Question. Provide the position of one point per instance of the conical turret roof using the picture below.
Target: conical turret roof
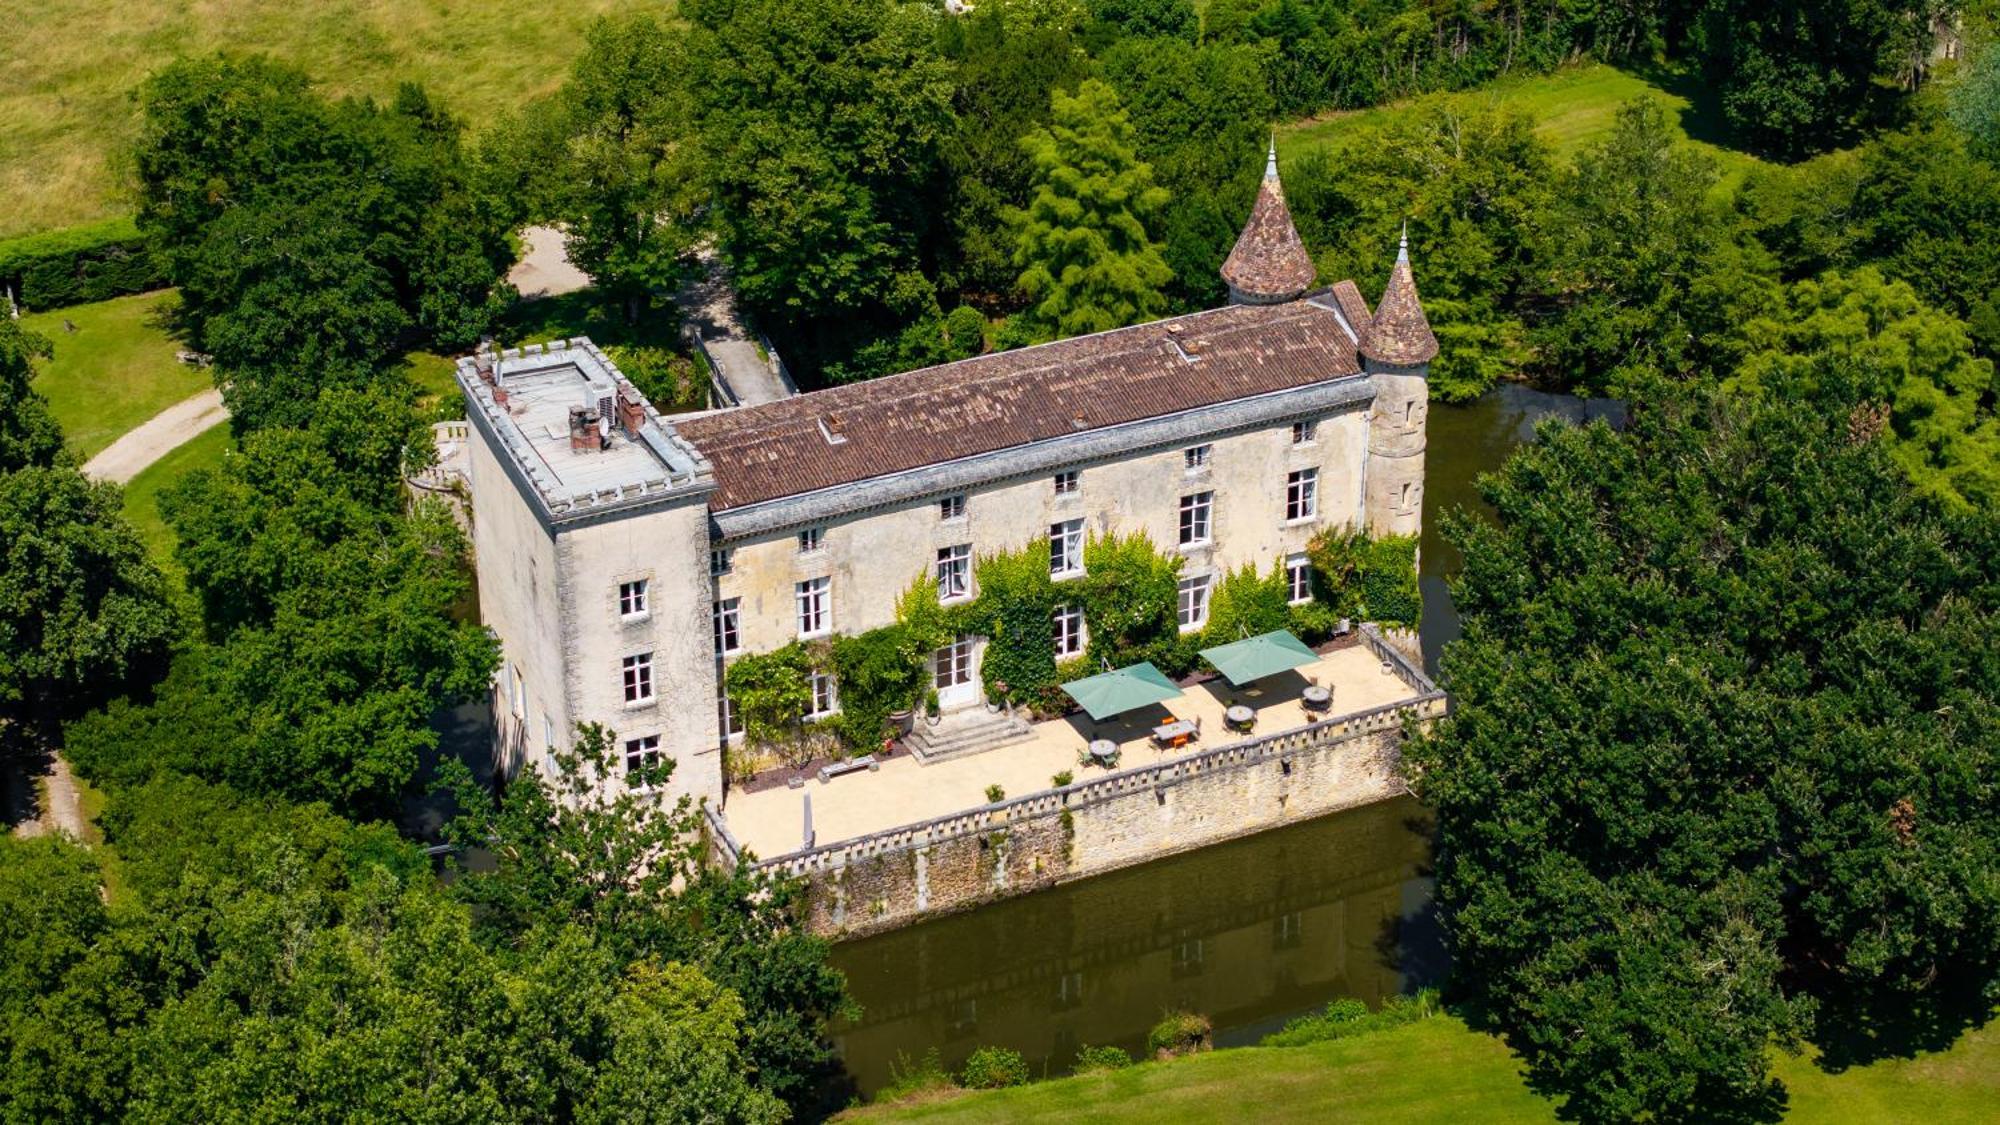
(1269, 264)
(1399, 334)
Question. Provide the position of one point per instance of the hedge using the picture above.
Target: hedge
(79, 264)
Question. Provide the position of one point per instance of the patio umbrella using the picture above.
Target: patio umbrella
(1253, 658)
(1122, 690)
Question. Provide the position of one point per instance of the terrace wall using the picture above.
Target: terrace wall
(904, 875)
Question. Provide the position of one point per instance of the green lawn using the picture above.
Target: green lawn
(142, 496)
(69, 68)
(1572, 108)
(115, 371)
(1438, 1070)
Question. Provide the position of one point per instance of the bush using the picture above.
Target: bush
(1063, 778)
(1346, 1018)
(995, 794)
(991, 1068)
(1179, 1033)
(908, 1079)
(79, 264)
(1093, 1060)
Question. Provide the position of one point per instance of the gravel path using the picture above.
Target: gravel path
(156, 437)
(54, 805)
(545, 270)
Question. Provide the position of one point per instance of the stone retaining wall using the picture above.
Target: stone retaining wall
(904, 875)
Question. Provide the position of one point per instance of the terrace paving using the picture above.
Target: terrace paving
(770, 823)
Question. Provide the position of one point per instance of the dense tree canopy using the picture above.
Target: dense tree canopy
(1722, 750)
(28, 432)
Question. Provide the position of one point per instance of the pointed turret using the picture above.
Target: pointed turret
(1269, 264)
(1399, 334)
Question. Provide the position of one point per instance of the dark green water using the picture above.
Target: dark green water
(1249, 933)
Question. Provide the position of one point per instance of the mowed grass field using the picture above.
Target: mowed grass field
(117, 369)
(1572, 108)
(1438, 1071)
(68, 69)
(142, 496)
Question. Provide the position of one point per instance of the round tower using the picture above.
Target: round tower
(1396, 349)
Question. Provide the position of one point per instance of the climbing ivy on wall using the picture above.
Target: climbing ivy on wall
(1016, 613)
(1368, 578)
(772, 691)
(1131, 595)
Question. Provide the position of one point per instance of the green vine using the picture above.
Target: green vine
(1369, 579)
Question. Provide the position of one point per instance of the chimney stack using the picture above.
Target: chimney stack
(584, 432)
(631, 416)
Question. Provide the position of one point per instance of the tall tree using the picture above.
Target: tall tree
(1087, 262)
(29, 434)
(1722, 751)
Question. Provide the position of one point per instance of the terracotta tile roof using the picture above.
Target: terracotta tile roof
(1353, 305)
(1269, 262)
(851, 433)
(1399, 334)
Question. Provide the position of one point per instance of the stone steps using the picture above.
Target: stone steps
(965, 733)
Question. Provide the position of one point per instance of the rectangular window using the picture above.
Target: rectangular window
(726, 718)
(954, 572)
(639, 678)
(642, 759)
(1194, 602)
(1303, 432)
(1195, 513)
(1299, 579)
(1066, 548)
(1066, 483)
(1069, 631)
(727, 619)
(1302, 494)
(826, 698)
(1197, 456)
(548, 732)
(812, 606)
(811, 539)
(520, 694)
(951, 508)
(951, 666)
(632, 598)
(720, 562)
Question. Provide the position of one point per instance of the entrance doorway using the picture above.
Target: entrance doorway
(952, 673)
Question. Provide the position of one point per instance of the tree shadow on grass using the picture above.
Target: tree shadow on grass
(1870, 1028)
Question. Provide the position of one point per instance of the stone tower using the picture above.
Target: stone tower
(1397, 349)
(1269, 264)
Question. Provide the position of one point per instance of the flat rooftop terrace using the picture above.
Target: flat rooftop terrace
(771, 822)
(525, 405)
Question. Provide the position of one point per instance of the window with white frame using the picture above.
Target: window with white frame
(1303, 432)
(1196, 456)
(639, 678)
(811, 595)
(951, 666)
(728, 619)
(548, 731)
(811, 539)
(720, 562)
(1066, 549)
(1302, 494)
(642, 761)
(1066, 483)
(1069, 631)
(632, 598)
(825, 696)
(1196, 510)
(726, 718)
(1194, 602)
(520, 700)
(1298, 579)
(954, 572)
(951, 508)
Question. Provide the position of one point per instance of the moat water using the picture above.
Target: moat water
(1250, 933)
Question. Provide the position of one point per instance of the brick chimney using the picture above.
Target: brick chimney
(584, 432)
(631, 416)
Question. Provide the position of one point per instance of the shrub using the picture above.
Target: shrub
(1179, 1033)
(991, 1068)
(995, 794)
(1063, 778)
(1368, 578)
(1093, 1060)
(908, 1079)
(80, 264)
(1345, 1018)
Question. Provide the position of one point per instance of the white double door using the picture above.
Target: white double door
(955, 673)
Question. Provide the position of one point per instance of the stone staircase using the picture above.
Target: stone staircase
(971, 731)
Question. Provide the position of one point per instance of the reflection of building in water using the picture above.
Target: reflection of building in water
(1247, 933)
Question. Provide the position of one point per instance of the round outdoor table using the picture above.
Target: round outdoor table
(1240, 717)
(1103, 750)
(1317, 698)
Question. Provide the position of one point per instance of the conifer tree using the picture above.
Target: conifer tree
(1087, 263)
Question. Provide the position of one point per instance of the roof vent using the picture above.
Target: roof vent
(829, 428)
(1188, 350)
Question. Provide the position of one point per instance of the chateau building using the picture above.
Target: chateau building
(625, 557)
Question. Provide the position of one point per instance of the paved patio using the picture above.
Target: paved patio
(771, 823)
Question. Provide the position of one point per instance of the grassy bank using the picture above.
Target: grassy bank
(70, 66)
(142, 495)
(1572, 108)
(115, 371)
(1437, 1070)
